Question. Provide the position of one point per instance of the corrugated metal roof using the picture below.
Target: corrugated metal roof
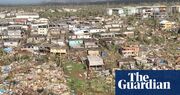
(95, 61)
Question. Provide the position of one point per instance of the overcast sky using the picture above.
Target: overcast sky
(38, 1)
(19, 1)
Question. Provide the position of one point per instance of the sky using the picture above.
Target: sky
(19, 1)
(38, 1)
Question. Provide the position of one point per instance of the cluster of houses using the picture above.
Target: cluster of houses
(89, 41)
(160, 11)
(29, 32)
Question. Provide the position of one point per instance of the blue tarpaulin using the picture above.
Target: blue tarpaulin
(2, 91)
(8, 50)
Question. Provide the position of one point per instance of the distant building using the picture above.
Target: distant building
(130, 50)
(87, 36)
(21, 21)
(43, 29)
(160, 11)
(165, 25)
(91, 43)
(11, 43)
(110, 35)
(58, 50)
(95, 62)
(36, 39)
(96, 30)
(27, 15)
(129, 62)
(59, 42)
(82, 31)
(122, 11)
(12, 34)
(76, 43)
(175, 9)
(30, 47)
(4, 24)
(93, 52)
(2, 15)
(115, 11)
(42, 20)
(130, 10)
(15, 27)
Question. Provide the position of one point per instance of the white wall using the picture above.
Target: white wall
(2, 15)
(11, 44)
(42, 31)
(109, 11)
(28, 16)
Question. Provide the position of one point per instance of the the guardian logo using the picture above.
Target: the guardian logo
(138, 81)
(147, 82)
